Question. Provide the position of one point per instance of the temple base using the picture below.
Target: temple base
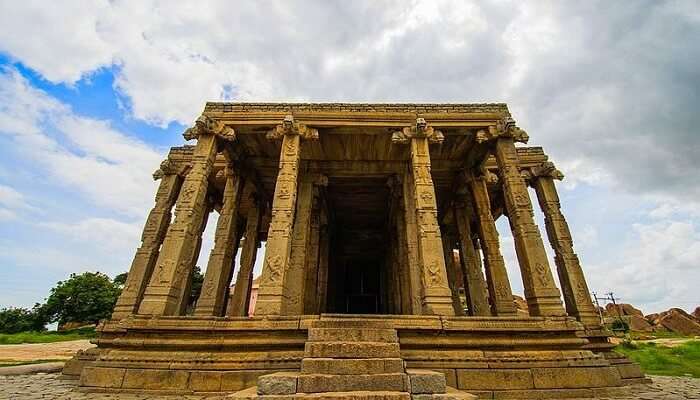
(491, 357)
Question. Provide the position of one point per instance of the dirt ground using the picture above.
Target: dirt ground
(42, 351)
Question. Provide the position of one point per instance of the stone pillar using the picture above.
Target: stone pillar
(279, 240)
(151, 239)
(323, 253)
(186, 290)
(543, 297)
(408, 235)
(435, 296)
(240, 299)
(577, 298)
(448, 243)
(212, 300)
(312, 249)
(471, 265)
(295, 276)
(163, 296)
(500, 293)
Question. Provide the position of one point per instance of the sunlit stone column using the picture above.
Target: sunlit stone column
(474, 277)
(543, 297)
(165, 291)
(212, 300)
(240, 299)
(500, 293)
(577, 298)
(435, 296)
(408, 236)
(448, 242)
(279, 243)
(151, 239)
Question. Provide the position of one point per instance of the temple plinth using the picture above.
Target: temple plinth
(381, 261)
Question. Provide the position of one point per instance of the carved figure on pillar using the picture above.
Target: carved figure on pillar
(577, 297)
(277, 254)
(436, 296)
(152, 237)
(542, 295)
(165, 291)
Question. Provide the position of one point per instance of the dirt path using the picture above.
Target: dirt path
(42, 351)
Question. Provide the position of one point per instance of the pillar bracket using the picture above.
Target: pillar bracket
(205, 124)
(504, 128)
(420, 130)
(290, 127)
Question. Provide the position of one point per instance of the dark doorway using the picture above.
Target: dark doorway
(361, 287)
(359, 207)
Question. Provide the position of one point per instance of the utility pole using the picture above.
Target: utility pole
(598, 308)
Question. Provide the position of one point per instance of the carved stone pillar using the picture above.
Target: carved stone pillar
(312, 249)
(543, 297)
(277, 254)
(500, 293)
(408, 235)
(323, 253)
(186, 290)
(448, 242)
(212, 300)
(471, 262)
(151, 239)
(436, 297)
(577, 298)
(163, 296)
(240, 299)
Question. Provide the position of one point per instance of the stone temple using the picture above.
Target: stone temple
(362, 209)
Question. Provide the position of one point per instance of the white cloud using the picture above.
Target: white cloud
(107, 166)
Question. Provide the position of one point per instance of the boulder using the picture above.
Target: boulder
(696, 313)
(622, 309)
(637, 323)
(679, 321)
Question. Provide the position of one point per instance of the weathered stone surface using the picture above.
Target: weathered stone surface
(155, 379)
(352, 349)
(351, 366)
(352, 334)
(102, 377)
(314, 383)
(278, 383)
(565, 378)
(205, 381)
(503, 379)
(622, 309)
(426, 381)
(637, 323)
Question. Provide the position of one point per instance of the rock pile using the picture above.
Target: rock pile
(673, 320)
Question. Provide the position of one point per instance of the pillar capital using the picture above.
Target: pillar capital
(420, 130)
(504, 128)
(548, 169)
(205, 125)
(291, 127)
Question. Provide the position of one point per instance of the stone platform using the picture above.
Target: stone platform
(491, 357)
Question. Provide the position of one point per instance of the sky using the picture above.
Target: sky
(93, 94)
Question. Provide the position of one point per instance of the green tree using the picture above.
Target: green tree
(14, 320)
(88, 297)
(120, 280)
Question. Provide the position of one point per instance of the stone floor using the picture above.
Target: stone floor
(47, 386)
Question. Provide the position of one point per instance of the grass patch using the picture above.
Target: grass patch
(9, 363)
(681, 360)
(46, 337)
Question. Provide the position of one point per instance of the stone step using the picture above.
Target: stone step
(316, 383)
(352, 335)
(424, 381)
(352, 323)
(348, 366)
(450, 394)
(351, 350)
(251, 394)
